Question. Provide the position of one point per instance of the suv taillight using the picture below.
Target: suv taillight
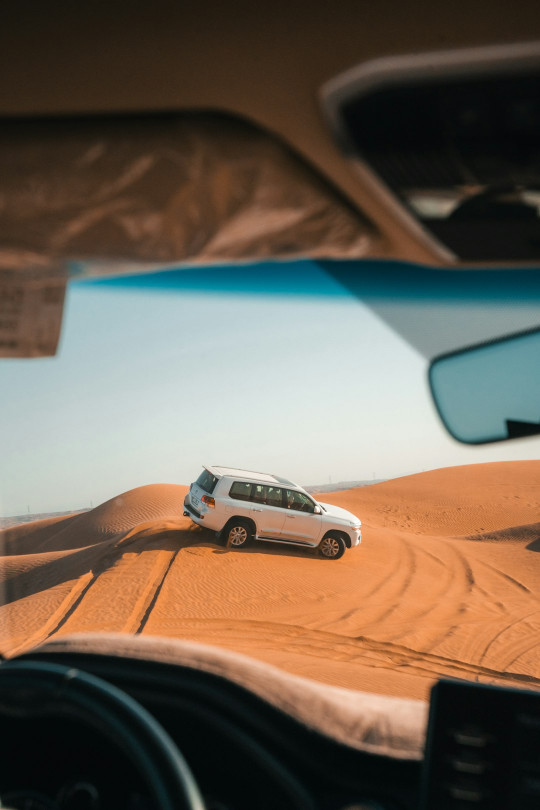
(208, 501)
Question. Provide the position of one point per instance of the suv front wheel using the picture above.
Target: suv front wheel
(332, 547)
(238, 533)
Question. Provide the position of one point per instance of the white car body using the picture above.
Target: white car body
(277, 510)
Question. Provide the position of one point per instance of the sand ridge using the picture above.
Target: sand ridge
(445, 583)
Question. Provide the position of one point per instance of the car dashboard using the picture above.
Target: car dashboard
(242, 751)
(482, 746)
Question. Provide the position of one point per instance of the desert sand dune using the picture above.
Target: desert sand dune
(445, 583)
(453, 501)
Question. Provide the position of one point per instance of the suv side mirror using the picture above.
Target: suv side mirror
(317, 510)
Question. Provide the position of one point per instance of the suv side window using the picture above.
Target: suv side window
(258, 494)
(241, 491)
(299, 502)
(270, 496)
(274, 496)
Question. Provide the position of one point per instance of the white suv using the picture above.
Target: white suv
(240, 505)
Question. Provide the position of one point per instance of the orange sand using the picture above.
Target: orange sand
(445, 583)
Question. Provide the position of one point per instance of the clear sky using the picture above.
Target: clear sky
(151, 383)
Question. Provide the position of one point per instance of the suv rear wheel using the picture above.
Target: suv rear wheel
(238, 533)
(332, 547)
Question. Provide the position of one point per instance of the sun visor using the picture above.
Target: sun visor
(116, 195)
(162, 191)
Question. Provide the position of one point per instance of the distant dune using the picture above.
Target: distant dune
(340, 485)
(445, 583)
(16, 520)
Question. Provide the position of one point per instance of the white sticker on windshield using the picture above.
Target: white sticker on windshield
(30, 317)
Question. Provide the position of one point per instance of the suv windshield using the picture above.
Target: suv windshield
(112, 523)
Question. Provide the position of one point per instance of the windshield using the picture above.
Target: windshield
(112, 523)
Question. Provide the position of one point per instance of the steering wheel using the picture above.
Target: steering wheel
(30, 690)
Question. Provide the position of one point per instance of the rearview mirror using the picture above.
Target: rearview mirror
(491, 392)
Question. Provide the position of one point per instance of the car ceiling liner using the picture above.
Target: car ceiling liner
(111, 195)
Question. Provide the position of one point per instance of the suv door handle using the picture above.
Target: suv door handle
(291, 517)
(256, 510)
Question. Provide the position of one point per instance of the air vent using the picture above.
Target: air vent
(483, 749)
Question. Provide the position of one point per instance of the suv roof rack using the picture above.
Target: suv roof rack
(267, 478)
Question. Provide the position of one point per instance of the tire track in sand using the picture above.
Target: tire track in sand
(506, 629)
(478, 644)
(460, 586)
(394, 585)
(517, 648)
(123, 586)
(143, 609)
(449, 590)
(263, 636)
(125, 592)
(66, 608)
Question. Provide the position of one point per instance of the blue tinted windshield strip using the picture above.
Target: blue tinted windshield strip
(366, 279)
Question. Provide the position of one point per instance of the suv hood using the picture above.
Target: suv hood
(338, 512)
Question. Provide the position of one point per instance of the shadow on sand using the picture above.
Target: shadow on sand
(524, 533)
(276, 549)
